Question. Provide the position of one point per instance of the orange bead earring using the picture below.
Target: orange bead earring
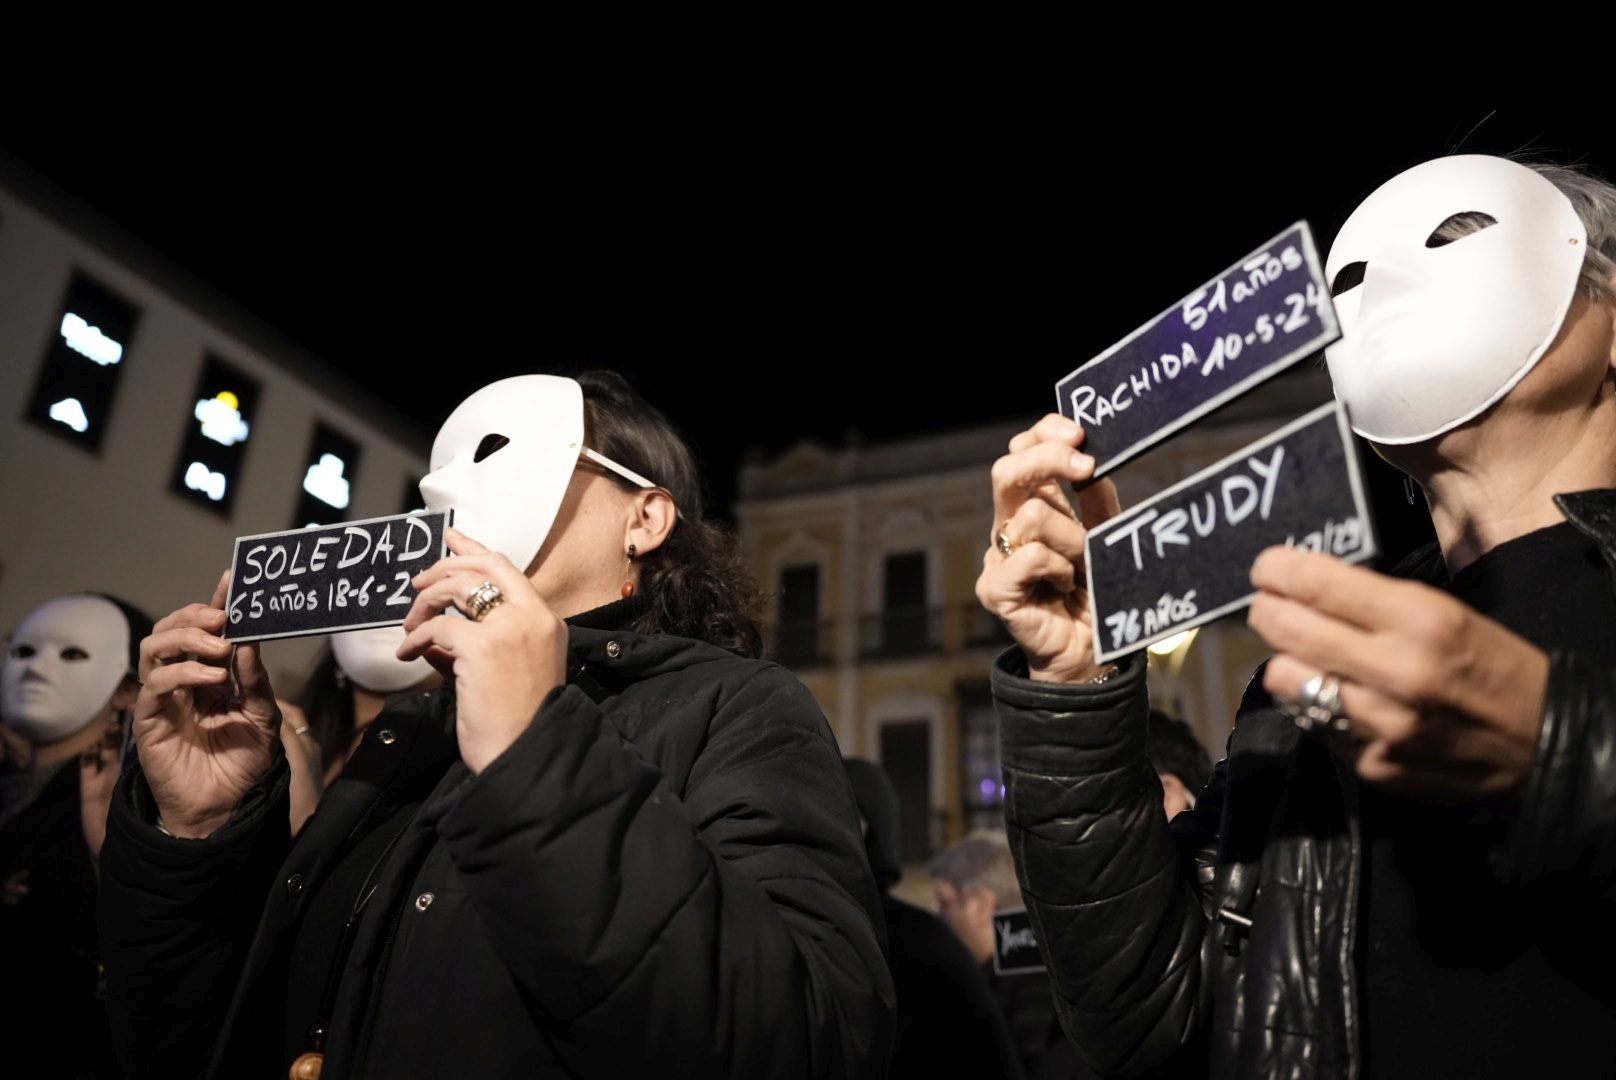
(628, 586)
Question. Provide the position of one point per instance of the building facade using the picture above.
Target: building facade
(149, 423)
(868, 556)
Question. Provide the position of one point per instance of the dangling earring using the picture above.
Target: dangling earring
(628, 586)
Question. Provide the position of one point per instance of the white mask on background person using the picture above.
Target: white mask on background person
(63, 663)
(1432, 336)
(504, 458)
(370, 659)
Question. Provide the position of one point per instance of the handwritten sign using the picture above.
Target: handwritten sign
(348, 576)
(1184, 557)
(1249, 323)
(1015, 946)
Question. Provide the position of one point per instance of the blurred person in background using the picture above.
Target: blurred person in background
(348, 689)
(1181, 762)
(949, 1022)
(973, 879)
(66, 688)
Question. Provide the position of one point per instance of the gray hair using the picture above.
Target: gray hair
(981, 860)
(1595, 203)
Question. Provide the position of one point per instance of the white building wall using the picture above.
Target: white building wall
(77, 519)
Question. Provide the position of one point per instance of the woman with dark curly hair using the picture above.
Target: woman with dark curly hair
(614, 841)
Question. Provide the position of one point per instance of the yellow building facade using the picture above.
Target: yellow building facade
(868, 557)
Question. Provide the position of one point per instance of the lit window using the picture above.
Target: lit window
(216, 435)
(78, 378)
(326, 489)
(324, 481)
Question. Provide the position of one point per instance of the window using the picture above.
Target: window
(78, 378)
(327, 481)
(217, 427)
(981, 777)
(905, 620)
(798, 637)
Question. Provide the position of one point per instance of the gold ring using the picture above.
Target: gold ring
(483, 599)
(1006, 548)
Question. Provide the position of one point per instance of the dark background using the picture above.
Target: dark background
(767, 271)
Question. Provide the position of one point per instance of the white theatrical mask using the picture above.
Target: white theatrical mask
(1433, 336)
(370, 659)
(64, 662)
(504, 458)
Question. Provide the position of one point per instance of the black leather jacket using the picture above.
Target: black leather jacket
(1224, 945)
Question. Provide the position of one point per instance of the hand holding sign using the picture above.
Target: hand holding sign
(1037, 588)
(503, 666)
(1442, 701)
(207, 728)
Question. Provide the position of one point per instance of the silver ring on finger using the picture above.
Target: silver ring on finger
(1318, 705)
(483, 599)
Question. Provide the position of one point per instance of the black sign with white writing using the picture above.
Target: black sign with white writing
(1184, 557)
(348, 576)
(1249, 323)
(1015, 946)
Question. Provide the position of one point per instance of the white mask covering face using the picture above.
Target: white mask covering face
(370, 659)
(1433, 336)
(503, 461)
(63, 665)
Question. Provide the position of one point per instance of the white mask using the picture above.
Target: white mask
(63, 665)
(509, 500)
(1433, 336)
(370, 659)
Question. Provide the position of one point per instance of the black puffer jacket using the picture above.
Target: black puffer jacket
(663, 875)
(1225, 945)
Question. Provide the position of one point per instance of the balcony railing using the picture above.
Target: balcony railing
(901, 632)
(804, 643)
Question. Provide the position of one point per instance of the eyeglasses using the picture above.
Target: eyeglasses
(621, 470)
(628, 474)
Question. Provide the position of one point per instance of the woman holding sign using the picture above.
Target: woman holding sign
(613, 844)
(1407, 864)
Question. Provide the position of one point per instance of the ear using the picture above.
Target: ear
(1176, 796)
(652, 518)
(124, 697)
(1610, 306)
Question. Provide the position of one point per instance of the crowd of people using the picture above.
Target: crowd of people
(565, 820)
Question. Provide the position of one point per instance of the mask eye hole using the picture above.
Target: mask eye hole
(22, 652)
(489, 445)
(73, 652)
(1459, 226)
(1350, 277)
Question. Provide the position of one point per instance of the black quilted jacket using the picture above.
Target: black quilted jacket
(663, 876)
(1225, 945)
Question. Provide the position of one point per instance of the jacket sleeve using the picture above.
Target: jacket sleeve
(1566, 822)
(176, 918)
(728, 929)
(1115, 895)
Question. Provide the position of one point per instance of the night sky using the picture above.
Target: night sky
(766, 274)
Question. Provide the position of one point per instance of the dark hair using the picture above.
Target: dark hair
(697, 584)
(1174, 750)
(328, 706)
